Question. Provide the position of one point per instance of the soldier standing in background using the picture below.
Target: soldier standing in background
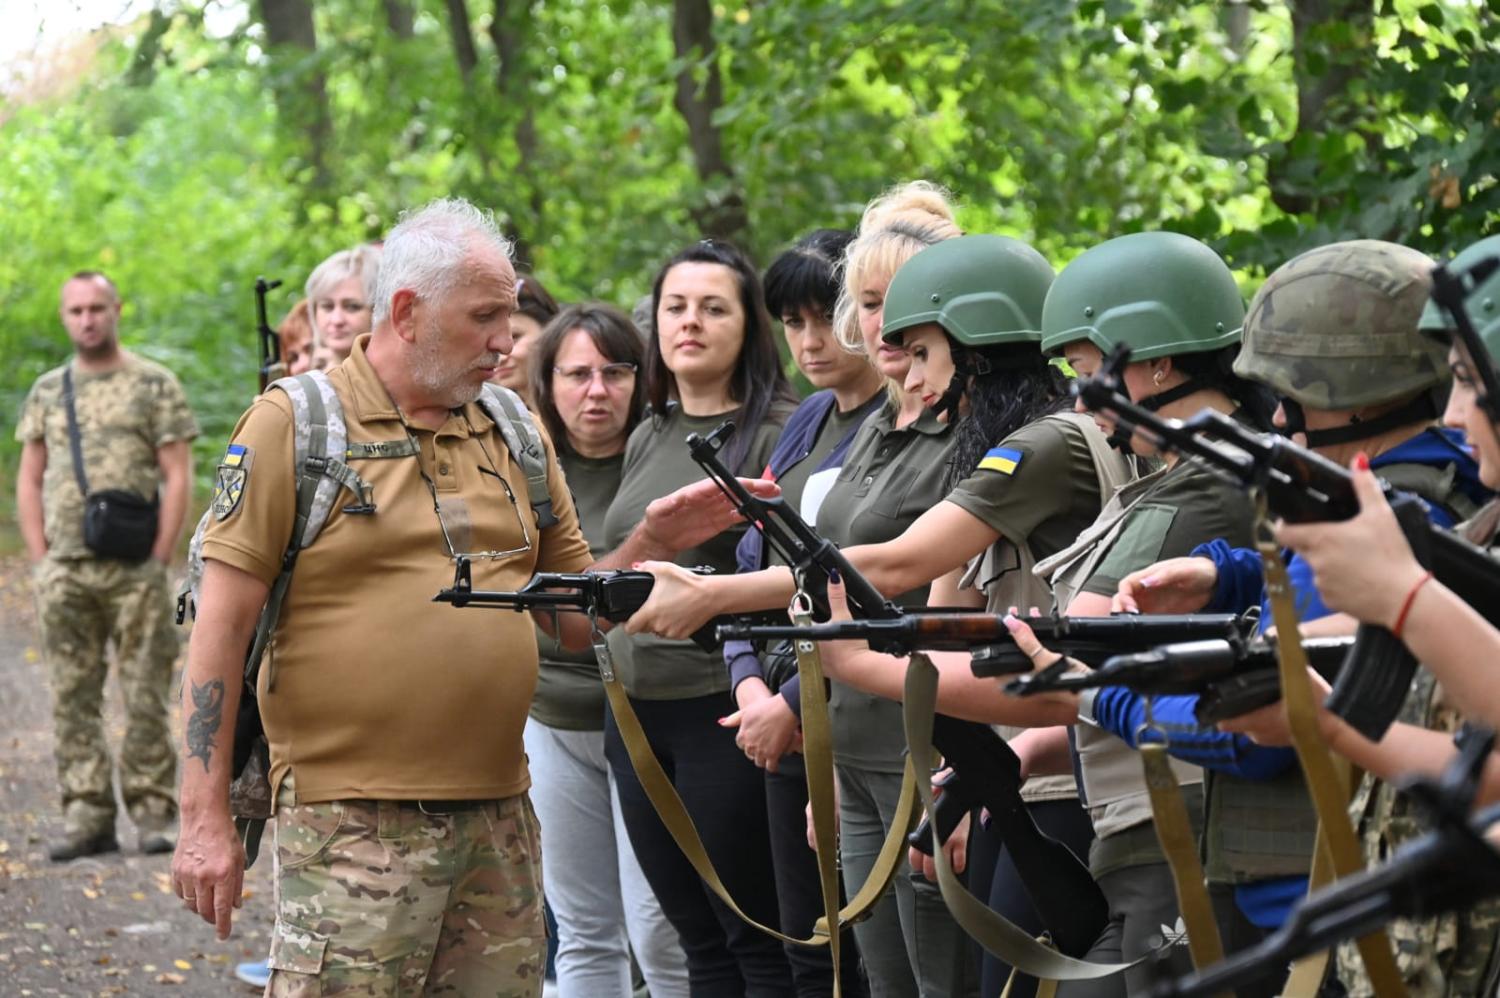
(133, 428)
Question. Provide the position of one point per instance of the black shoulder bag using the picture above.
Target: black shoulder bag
(117, 523)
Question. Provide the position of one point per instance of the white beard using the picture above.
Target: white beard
(442, 380)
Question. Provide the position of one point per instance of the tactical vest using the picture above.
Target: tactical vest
(1007, 573)
(1256, 829)
(1113, 785)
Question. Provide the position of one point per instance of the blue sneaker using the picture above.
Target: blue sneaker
(256, 973)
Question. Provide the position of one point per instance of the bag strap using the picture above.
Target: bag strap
(75, 443)
(1328, 781)
(525, 444)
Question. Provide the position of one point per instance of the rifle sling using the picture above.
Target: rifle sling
(1327, 782)
(1175, 833)
(818, 752)
(995, 933)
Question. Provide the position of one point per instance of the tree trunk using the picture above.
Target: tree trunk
(462, 33)
(509, 27)
(298, 82)
(1322, 73)
(143, 60)
(722, 215)
(399, 19)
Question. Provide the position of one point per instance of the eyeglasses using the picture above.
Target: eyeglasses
(614, 375)
(437, 507)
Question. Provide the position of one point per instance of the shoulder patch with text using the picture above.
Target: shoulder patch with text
(1002, 459)
(229, 482)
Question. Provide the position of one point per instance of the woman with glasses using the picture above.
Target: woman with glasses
(711, 356)
(339, 293)
(583, 371)
(535, 308)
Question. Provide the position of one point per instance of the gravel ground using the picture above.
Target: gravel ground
(105, 925)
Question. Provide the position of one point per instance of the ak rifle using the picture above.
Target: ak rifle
(613, 596)
(1301, 486)
(1230, 677)
(1066, 897)
(1451, 868)
(1091, 640)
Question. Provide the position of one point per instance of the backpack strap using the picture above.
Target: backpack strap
(525, 444)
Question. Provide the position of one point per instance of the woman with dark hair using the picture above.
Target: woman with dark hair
(535, 307)
(802, 286)
(583, 371)
(711, 356)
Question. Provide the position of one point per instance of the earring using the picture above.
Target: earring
(1156, 378)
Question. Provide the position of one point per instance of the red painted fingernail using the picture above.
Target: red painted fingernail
(1362, 461)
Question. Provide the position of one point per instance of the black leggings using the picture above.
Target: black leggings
(798, 889)
(725, 794)
(990, 865)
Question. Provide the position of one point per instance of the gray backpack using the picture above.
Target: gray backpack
(321, 453)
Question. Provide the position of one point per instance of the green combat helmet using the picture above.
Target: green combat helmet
(1483, 303)
(1160, 293)
(983, 290)
(1336, 328)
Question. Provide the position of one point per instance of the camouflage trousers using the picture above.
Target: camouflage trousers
(379, 898)
(82, 605)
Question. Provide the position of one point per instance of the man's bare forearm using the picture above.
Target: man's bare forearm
(175, 460)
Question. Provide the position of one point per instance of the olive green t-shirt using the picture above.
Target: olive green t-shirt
(793, 481)
(1188, 506)
(889, 478)
(657, 463)
(1040, 488)
(568, 693)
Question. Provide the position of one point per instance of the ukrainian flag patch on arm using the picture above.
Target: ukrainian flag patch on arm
(230, 480)
(1002, 459)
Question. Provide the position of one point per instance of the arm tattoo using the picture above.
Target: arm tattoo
(208, 712)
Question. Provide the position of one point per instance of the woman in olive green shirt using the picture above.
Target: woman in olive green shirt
(712, 356)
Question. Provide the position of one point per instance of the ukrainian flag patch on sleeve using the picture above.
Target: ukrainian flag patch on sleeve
(229, 482)
(1002, 459)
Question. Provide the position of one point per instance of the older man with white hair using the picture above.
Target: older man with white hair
(407, 847)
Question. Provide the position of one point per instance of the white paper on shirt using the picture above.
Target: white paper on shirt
(819, 484)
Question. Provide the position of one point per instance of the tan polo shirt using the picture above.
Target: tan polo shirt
(379, 693)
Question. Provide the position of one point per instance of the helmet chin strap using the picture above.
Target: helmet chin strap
(1119, 438)
(966, 364)
(1419, 409)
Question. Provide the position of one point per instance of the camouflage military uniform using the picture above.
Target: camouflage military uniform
(83, 601)
(1455, 955)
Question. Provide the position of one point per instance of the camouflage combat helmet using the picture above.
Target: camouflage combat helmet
(982, 290)
(1160, 293)
(1483, 303)
(1336, 328)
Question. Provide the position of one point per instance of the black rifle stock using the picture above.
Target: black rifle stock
(1303, 487)
(1065, 895)
(1449, 868)
(1230, 676)
(272, 364)
(611, 596)
(1089, 639)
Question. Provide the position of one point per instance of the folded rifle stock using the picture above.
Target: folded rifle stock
(611, 596)
(1301, 486)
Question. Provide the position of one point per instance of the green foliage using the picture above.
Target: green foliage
(172, 166)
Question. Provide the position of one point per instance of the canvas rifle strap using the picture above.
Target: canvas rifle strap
(992, 931)
(818, 752)
(1328, 782)
(1175, 833)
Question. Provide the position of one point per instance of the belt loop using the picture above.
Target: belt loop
(388, 819)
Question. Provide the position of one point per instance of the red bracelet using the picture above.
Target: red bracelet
(1411, 597)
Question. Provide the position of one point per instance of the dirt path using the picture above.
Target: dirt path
(106, 925)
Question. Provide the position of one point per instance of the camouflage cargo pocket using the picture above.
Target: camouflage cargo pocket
(296, 961)
(304, 831)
